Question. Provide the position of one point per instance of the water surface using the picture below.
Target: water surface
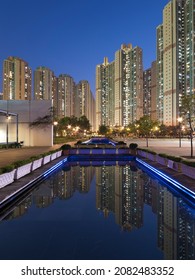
(105, 210)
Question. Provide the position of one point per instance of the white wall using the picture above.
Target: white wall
(27, 111)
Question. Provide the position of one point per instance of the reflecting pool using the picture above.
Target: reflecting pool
(101, 210)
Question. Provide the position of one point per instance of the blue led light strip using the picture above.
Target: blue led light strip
(168, 179)
(46, 173)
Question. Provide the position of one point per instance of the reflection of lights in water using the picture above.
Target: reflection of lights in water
(173, 182)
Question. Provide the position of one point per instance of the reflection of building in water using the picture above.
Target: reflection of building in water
(20, 210)
(43, 196)
(185, 232)
(118, 189)
(123, 192)
(71, 179)
(83, 177)
(105, 185)
(170, 225)
(175, 222)
(150, 192)
(129, 194)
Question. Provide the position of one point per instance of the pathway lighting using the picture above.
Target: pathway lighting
(180, 121)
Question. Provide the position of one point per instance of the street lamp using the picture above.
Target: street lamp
(7, 129)
(180, 121)
(55, 123)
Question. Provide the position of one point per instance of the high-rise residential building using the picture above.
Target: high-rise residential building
(43, 83)
(85, 102)
(147, 88)
(170, 77)
(119, 88)
(128, 85)
(105, 98)
(189, 11)
(149, 91)
(177, 36)
(159, 74)
(153, 91)
(65, 96)
(16, 79)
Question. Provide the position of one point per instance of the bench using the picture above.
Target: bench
(12, 144)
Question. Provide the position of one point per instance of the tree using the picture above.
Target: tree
(83, 123)
(188, 113)
(103, 129)
(44, 121)
(144, 127)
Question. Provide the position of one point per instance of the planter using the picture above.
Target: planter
(133, 152)
(37, 163)
(53, 156)
(58, 154)
(188, 170)
(174, 165)
(46, 159)
(161, 160)
(151, 156)
(65, 152)
(23, 170)
(141, 153)
(7, 178)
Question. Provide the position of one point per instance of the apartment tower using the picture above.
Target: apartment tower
(159, 74)
(43, 83)
(65, 96)
(128, 85)
(16, 79)
(85, 102)
(105, 98)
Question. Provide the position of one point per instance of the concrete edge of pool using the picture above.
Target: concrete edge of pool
(190, 195)
(15, 196)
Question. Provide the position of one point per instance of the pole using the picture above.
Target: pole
(179, 135)
(7, 131)
(17, 128)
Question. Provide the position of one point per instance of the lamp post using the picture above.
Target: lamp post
(55, 123)
(7, 130)
(179, 121)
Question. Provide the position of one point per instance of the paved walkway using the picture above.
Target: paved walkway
(167, 146)
(11, 155)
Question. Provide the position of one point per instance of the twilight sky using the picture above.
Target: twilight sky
(73, 36)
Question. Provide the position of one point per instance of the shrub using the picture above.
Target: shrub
(78, 142)
(133, 146)
(189, 163)
(7, 168)
(173, 158)
(65, 147)
(21, 162)
(121, 143)
(163, 155)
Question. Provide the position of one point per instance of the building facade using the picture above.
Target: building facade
(17, 77)
(65, 96)
(43, 83)
(119, 88)
(105, 97)
(85, 102)
(128, 85)
(159, 74)
(175, 61)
